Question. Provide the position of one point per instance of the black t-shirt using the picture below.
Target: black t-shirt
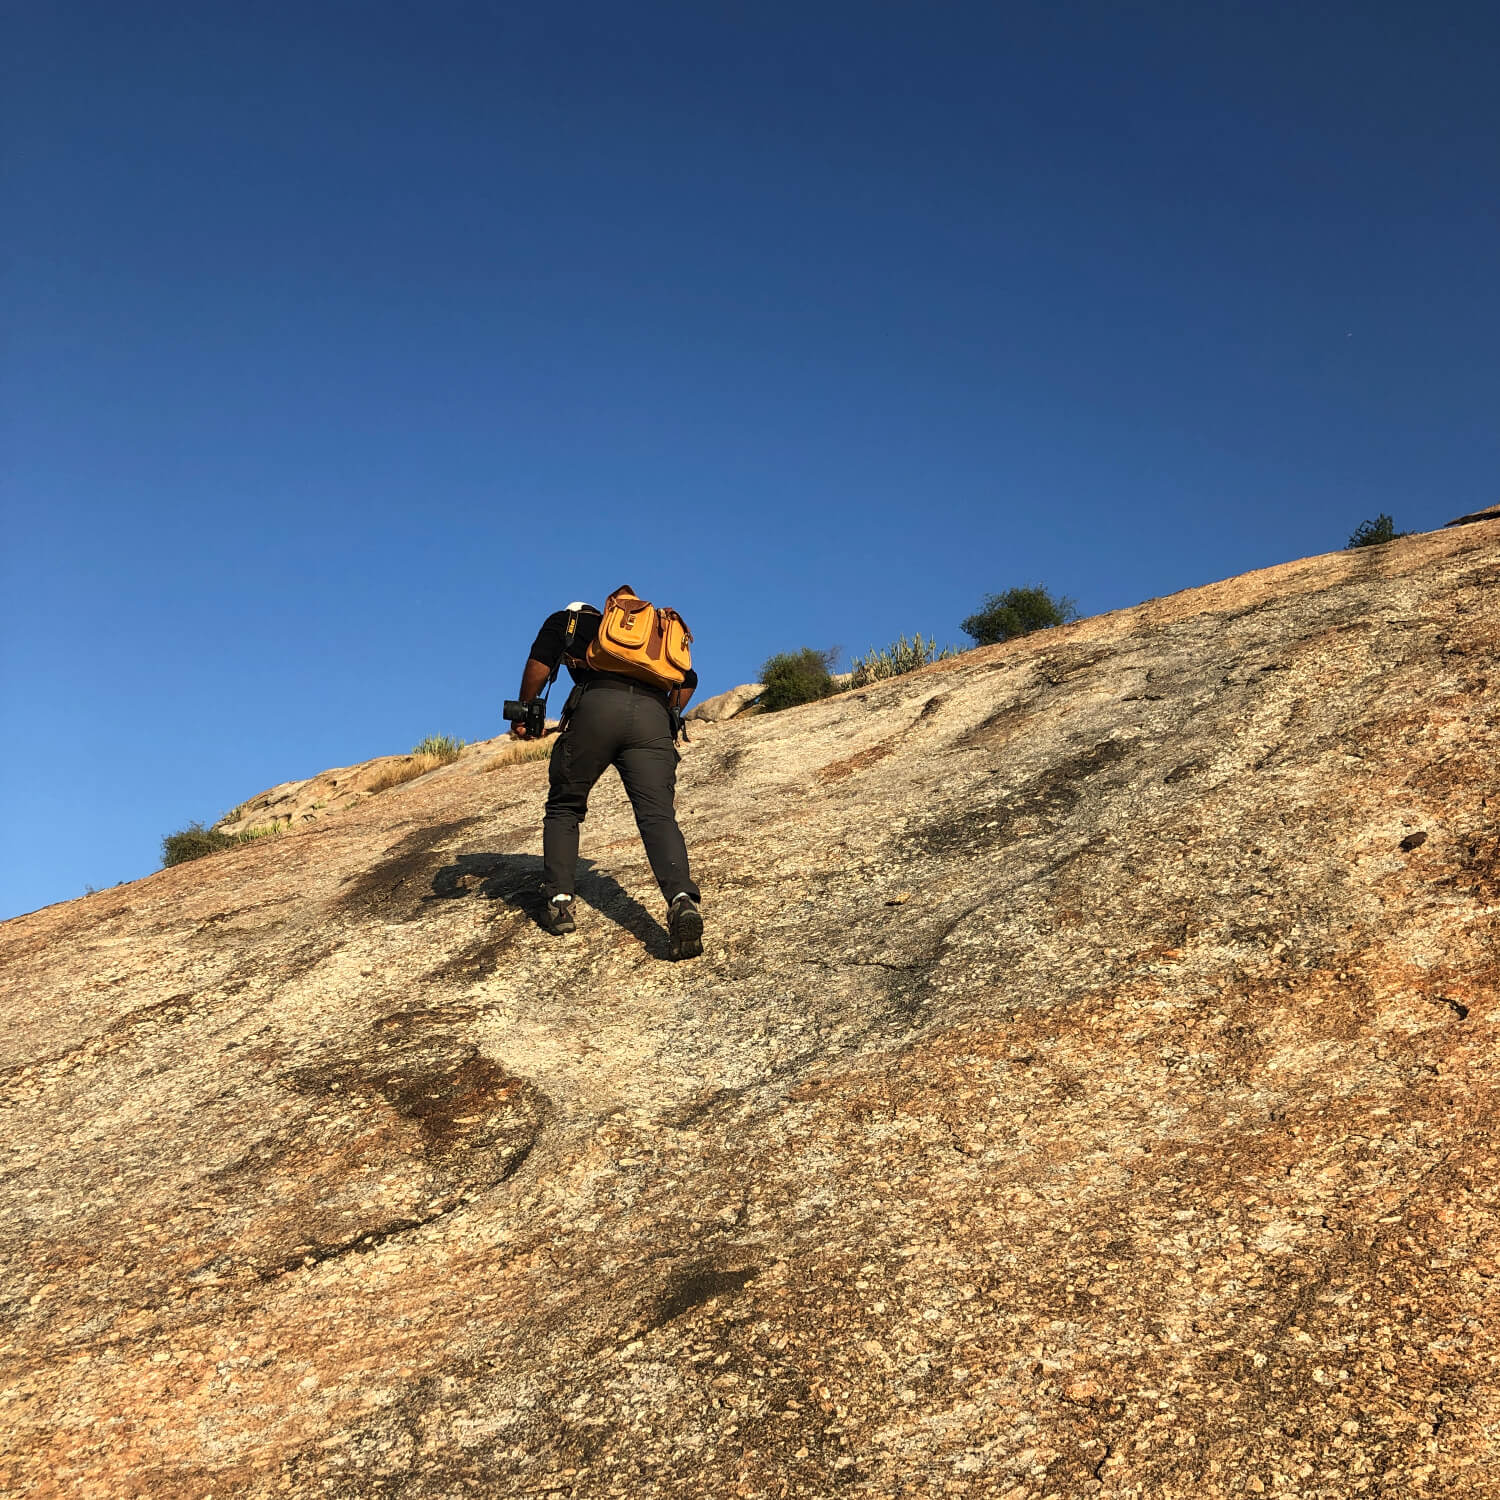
(547, 648)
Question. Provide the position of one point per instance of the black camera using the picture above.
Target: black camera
(532, 715)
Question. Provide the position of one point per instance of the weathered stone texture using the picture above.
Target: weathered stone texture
(1089, 1089)
(1492, 513)
(728, 705)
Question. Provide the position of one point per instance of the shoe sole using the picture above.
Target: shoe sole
(687, 935)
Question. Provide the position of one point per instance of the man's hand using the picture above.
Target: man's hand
(534, 678)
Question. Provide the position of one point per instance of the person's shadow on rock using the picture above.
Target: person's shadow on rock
(516, 879)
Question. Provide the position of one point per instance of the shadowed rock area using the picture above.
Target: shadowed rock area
(1089, 1088)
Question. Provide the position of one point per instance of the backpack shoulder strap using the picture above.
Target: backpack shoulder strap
(569, 631)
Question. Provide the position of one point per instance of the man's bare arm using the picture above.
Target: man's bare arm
(533, 679)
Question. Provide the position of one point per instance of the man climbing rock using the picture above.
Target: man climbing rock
(632, 678)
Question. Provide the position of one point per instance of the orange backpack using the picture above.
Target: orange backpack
(638, 640)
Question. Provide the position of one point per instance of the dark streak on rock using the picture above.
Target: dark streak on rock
(1047, 797)
(452, 1094)
(308, 1256)
(692, 1289)
(728, 764)
(403, 1021)
(397, 885)
(1056, 667)
(477, 960)
(920, 967)
(173, 1012)
(710, 1102)
(998, 728)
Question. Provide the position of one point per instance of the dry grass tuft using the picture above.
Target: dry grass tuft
(444, 746)
(194, 841)
(521, 751)
(408, 768)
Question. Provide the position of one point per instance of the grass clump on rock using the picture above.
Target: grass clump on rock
(793, 677)
(442, 747)
(436, 750)
(1018, 611)
(533, 749)
(193, 842)
(899, 657)
(518, 752)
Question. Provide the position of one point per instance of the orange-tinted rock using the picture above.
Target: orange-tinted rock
(1089, 1088)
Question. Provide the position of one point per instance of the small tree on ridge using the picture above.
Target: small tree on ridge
(1373, 533)
(1017, 611)
(793, 677)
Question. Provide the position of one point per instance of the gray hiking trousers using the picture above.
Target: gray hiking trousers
(625, 725)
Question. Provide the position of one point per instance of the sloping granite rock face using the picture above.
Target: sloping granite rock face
(331, 794)
(1089, 1089)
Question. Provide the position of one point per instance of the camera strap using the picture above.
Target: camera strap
(568, 634)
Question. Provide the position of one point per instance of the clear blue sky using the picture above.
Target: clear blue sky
(342, 342)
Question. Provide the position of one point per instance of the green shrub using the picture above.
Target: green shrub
(193, 842)
(793, 677)
(901, 656)
(442, 747)
(1374, 533)
(1017, 611)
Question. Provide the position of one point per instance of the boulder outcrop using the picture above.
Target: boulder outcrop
(1088, 1089)
(1492, 513)
(724, 706)
(294, 804)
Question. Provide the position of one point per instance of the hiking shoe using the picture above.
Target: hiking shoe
(557, 916)
(684, 928)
